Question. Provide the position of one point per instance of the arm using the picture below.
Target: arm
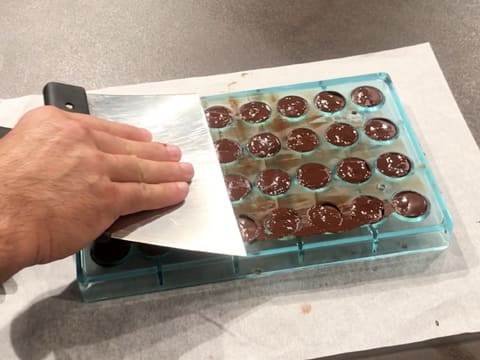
(67, 177)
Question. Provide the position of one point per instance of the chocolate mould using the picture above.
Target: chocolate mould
(391, 236)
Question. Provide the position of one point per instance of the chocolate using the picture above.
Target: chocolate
(325, 217)
(255, 112)
(302, 140)
(264, 145)
(292, 106)
(153, 250)
(313, 176)
(330, 101)
(106, 251)
(282, 222)
(227, 150)
(341, 134)
(367, 209)
(394, 164)
(367, 96)
(218, 117)
(273, 182)
(380, 129)
(410, 204)
(238, 186)
(248, 228)
(354, 170)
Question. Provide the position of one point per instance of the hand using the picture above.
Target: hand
(66, 177)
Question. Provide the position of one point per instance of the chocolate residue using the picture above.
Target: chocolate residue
(354, 170)
(410, 204)
(367, 209)
(341, 134)
(227, 150)
(282, 222)
(330, 101)
(325, 218)
(292, 106)
(302, 140)
(264, 145)
(255, 112)
(218, 117)
(380, 129)
(394, 164)
(238, 186)
(367, 96)
(273, 182)
(313, 175)
(248, 228)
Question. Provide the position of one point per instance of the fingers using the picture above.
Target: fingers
(146, 150)
(125, 168)
(135, 197)
(113, 128)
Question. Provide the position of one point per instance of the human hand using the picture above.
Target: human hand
(67, 177)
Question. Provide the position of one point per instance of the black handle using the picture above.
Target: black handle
(66, 97)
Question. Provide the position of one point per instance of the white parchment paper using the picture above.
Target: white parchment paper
(306, 314)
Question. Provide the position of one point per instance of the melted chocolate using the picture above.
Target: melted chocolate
(273, 181)
(394, 164)
(255, 112)
(354, 170)
(218, 117)
(238, 186)
(282, 222)
(380, 129)
(325, 217)
(227, 150)
(341, 134)
(367, 96)
(367, 209)
(313, 175)
(248, 228)
(152, 250)
(330, 101)
(264, 145)
(292, 106)
(302, 140)
(410, 204)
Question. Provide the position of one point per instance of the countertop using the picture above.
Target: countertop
(99, 44)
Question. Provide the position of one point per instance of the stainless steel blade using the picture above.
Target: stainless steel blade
(205, 221)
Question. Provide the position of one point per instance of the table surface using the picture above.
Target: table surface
(98, 44)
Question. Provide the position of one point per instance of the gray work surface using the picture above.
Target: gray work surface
(102, 43)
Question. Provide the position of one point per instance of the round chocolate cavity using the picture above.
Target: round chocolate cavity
(341, 134)
(410, 204)
(313, 175)
(330, 101)
(227, 150)
(292, 106)
(282, 222)
(248, 228)
(264, 145)
(302, 140)
(367, 209)
(218, 117)
(273, 182)
(380, 129)
(238, 186)
(367, 96)
(394, 164)
(354, 170)
(326, 216)
(153, 250)
(255, 112)
(106, 251)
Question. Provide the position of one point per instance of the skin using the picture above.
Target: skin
(67, 177)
